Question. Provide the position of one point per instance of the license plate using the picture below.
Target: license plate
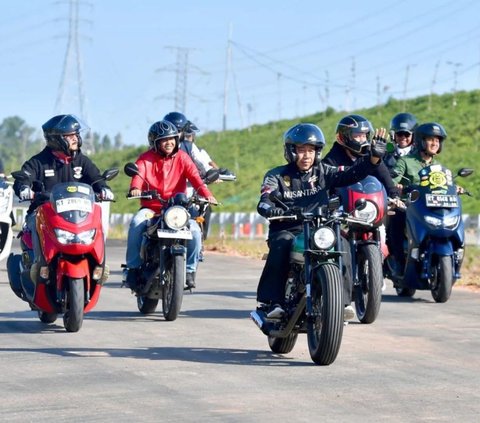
(441, 200)
(170, 233)
(73, 203)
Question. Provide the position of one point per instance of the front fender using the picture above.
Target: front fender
(441, 247)
(78, 270)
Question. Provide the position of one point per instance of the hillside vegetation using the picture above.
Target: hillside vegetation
(250, 152)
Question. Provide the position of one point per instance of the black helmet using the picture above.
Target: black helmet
(355, 124)
(160, 130)
(181, 122)
(403, 122)
(430, 129)
(303, 134)
(55, 129)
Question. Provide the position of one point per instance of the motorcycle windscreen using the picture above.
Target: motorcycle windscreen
(74, 201)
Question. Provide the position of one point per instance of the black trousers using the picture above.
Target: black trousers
(271, 287)
(395, 235)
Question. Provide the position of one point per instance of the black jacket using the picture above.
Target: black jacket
(337, 156)
(307, 190)
(46, 168)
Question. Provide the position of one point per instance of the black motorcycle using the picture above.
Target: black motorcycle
(314, 290)
(163, 270)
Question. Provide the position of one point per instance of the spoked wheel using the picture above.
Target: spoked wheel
(442, 280)
(368, 293)
(73, 317)
(47, 317)
(174, 281)
(146, 305)
(282, 345)
(325, 327)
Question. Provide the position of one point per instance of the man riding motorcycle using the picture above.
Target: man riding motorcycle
(60, 161)
(303, 182)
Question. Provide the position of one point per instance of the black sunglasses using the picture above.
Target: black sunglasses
(404, 133)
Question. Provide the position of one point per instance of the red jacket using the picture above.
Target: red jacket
(167, 175)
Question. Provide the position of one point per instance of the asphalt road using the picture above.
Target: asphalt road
(418, 362)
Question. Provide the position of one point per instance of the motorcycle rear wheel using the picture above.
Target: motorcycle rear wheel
(282, 345)
(441, 285)
(73, 317)
(368, 294)
(325, 327)
(146, 305)
(173, 288)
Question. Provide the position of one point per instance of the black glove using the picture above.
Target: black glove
(274, 212)
(379, 146)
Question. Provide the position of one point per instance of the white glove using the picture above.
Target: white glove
(107, 194)
(26, 194)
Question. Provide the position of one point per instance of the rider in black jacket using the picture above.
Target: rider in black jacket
(304, 182)
(60, 161)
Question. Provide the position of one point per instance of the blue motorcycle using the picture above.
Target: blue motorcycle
(435, 234)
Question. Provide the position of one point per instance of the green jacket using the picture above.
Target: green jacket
(407, 168)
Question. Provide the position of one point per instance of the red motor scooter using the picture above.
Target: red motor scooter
(69, 278)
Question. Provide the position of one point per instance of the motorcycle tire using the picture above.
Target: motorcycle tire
(442, 281)
(146, 305)
(173, 288)
(73, 317)
(405, 292)
(47, 317)
(368, 293)
(282, 345)
(325, 326)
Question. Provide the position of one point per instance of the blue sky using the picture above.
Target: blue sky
(288, 59)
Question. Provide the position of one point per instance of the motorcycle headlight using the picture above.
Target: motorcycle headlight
(449, 222)
(66, 237)
(324, 238)
(433, 221)
(369, 213)
(176, 217)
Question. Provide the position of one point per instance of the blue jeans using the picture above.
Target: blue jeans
(137, 227)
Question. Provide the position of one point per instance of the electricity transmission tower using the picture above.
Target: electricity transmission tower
(181, 69)
(71, 92)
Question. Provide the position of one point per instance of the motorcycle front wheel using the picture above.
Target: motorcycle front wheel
(174, 281)
(442, 280)
(75, 300)
(368, 293)
(325, 326)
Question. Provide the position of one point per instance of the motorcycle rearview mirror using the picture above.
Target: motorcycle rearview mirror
(360, 204)
(131, 169)
(464, 172)
(212, 175)
(109, 174)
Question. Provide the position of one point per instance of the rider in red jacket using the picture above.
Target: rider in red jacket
(166, 169)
